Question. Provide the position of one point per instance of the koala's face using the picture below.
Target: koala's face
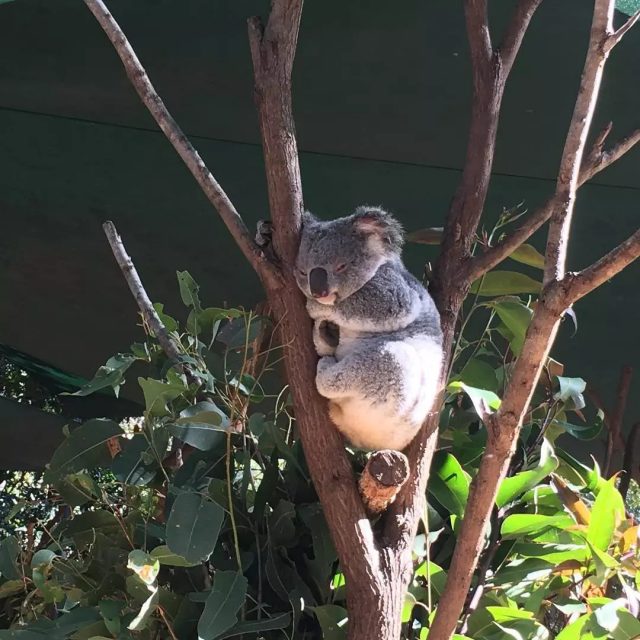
(338, 257)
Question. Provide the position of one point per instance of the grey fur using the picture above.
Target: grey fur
(381, 376)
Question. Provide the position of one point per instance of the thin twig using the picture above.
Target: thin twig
(631, 463)
(130, 274)
(214, 192)
(615, 37)
(596, 161)
(615, 439)
(578, 285)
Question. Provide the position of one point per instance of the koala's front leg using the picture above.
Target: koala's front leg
(326, 336)
(331, 381)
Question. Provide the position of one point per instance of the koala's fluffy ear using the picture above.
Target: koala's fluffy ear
(377, 222)
(308, 219)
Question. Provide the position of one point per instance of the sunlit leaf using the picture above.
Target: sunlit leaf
(502, 283)
(529, 255)
(606, 514)
(511, 488)
(448, 483)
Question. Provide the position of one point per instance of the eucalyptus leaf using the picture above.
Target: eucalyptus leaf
(333, 621)
(281, 621)
(193, 526)
(501, 283)
(607, 512)
(448, 483)
(222, 605)
(529, 255)
(189, 290)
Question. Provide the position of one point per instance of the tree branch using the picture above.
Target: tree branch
(571, 161)
(615, 37)
(597, 160)
(515, 31)
(272, 52)
(577, 285)
(137, 289)
(478, 33)
(503, 427)
(631, 463)
(214, 192)
(615, 441)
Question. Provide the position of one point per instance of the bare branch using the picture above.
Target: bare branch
(615, 441)
(515, 31)
(597, 160)
(571, 162)
(577, 285)
(631, 463)
(615, 37)
(214, 192)
(478, 34)
(137, 289)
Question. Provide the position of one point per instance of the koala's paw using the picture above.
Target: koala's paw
(326, 362)
(264, 232)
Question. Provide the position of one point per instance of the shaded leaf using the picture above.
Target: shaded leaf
(189, 290)
(158, 393)
(221, 607)
(517, 317)
(256, 626)
(430, 235)
(333, 621)
(193, 526)
(9, 550)
(165, 556)
(85, 448)
(110, 374)
(483, 400)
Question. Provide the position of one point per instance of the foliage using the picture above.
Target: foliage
(223, 535)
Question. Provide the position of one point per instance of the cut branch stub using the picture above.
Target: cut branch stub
(382, 478)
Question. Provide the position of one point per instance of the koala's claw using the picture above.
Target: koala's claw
(329, 332)
(264, 232)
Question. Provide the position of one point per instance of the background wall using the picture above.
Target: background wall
(381, 106)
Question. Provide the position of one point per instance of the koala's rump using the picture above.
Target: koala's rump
(394, 385)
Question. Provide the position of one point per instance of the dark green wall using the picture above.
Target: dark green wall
(381, 105)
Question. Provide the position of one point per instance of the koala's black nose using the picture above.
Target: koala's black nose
(318, 282)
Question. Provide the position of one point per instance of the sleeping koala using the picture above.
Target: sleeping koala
(376, 328)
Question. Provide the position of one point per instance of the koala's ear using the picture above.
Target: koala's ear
(308, 219)
(376, 221)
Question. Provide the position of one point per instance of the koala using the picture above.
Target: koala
(376, 329)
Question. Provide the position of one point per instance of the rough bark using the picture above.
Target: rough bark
(382, 478)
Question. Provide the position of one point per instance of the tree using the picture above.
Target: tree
(376, 561)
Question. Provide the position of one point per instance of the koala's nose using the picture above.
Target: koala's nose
(318, 282)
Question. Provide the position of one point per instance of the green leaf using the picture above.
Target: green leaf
(333, 621)
(157, 394)
(110, 374)
(606, 514)
(256, 626)
(208, 320)
(479, 374)
(85, 448)
(9, 550)
(170, 324)
(201, 425)
(145, 566)
(146, 611)
(501, 283)
(193, 526)
(239, 332)
(519, 524)
(111, 610)
(529, 255)
(220, 610)
(164, 555)
(189, 290)
(430, 235)
(483, 400)
(11, 588)
(571, 390)
(515, 486)
(517, 317)
(448, 483)
(84, 526)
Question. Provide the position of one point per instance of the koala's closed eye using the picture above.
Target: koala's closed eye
(340, 267)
